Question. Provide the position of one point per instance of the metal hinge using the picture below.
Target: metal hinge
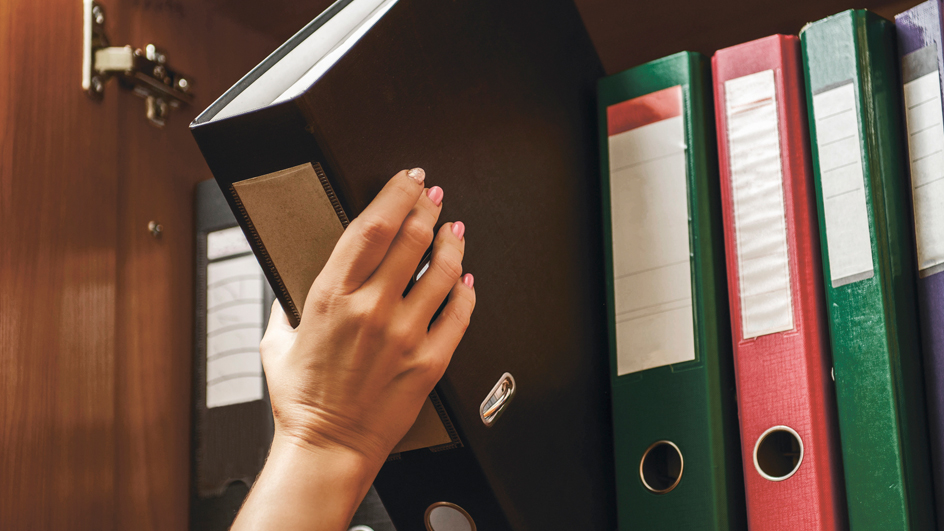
(143, 71)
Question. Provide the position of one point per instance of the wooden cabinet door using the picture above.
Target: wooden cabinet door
(95, 312)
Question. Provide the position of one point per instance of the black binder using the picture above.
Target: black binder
(230, 442)
(496, 101)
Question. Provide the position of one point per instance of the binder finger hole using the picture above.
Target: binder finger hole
(778, 453)
(661, 467)
(445, 516)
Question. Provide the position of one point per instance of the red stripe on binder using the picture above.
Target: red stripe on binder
(783, 378)
(644, 110)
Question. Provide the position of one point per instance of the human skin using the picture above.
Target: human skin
(348, 383)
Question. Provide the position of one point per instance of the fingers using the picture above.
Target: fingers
(444, 270)
(410, 244)
(452, 323)
(365, 242)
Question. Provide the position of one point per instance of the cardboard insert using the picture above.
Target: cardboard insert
(298, 226)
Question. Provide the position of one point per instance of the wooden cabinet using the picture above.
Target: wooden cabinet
(95, 312)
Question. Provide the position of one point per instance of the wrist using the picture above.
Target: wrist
(338, 462)
(307, 487)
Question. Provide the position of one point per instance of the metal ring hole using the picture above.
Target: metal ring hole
(445, 516)
(661, 467)
(778, 453)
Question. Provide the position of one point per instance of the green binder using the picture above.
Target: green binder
(678, 463)
(850, 61)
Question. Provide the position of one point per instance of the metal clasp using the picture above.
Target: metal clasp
(497, 400)
(144, 72)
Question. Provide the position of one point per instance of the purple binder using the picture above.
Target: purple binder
(919, 43)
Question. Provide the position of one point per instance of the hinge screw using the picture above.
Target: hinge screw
(98, 15)
(183, 84)
(157, 110)
(153, 54)
(155, 228)
(96, 86)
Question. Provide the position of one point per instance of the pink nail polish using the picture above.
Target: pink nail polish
(458, 228)
(435, 195)
(468, 280)
(417, 174)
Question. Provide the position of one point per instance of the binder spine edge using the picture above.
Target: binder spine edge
(447, 423)
(332, 196)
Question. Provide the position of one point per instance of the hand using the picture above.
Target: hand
(348, 383)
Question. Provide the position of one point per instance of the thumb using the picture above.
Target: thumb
(279, 335)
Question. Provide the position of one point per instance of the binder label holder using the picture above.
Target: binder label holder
(923, 117)
(652, 284)
(759, 217)
(848, 239)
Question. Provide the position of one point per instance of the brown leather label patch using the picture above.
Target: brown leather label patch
(296, 222)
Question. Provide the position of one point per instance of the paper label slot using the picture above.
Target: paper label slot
(226, 242)
(650, 232)
(923, 117)
(848, 239)
(760, 224)
(296, 222)
(234, 322)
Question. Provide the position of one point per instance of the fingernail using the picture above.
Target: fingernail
(458, 228)
(417, 174)
(468, 279)
(435, 195)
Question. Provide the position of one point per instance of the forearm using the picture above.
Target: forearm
(305, 488)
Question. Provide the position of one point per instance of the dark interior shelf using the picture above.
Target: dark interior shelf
(626, 32)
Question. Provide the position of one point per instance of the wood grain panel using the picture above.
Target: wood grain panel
(159, 169)
(58, 186)
(95, 334)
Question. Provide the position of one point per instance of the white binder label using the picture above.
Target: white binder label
(650, 235)
(848, 240)
(234, 329)
(226, 242)
(760, 224)
(926, 151)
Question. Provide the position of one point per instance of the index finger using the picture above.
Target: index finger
(365, 242)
